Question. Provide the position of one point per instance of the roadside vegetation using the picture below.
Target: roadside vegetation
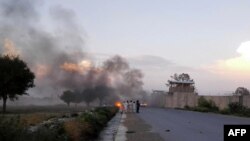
(234, 108)
(204, 106)
(55, 127)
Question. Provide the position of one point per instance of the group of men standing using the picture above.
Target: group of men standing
(131, 106)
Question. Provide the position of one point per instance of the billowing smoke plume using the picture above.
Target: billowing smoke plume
(57, 57)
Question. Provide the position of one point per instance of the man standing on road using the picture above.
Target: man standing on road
(138, 106)
(125, 106)
(134, 106)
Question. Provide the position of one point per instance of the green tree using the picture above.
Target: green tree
(101, 93)
(77, 97)
(15, 78)
(88, 95)
(181, 77)
(68, 97)
(242, 91)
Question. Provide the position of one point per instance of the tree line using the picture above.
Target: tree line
(87, 95)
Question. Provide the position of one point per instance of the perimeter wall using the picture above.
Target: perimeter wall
(182, 99)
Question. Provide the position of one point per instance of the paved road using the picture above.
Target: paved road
(179, 125)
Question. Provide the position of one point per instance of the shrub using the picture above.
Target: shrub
(45, 134)
(187, 107)
(202, 102)
(74, 115)
(10, 129)
(207, 105)
(246, 112)
(92, 120)
(34, 119)
(236, 107)
(74, 129)
(84, 127)
(225, 111)
(89, 124)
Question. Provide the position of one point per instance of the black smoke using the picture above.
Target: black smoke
(46, 51)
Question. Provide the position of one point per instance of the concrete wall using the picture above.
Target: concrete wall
(246, 101)
(169, 101)
(158, 100)
(182, 99)
(222, 101)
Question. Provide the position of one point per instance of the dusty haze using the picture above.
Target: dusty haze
(58, 57)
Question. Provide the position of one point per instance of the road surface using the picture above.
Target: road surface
(180, 125)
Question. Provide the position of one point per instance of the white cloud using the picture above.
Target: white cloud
(244, 50)
(234, 67)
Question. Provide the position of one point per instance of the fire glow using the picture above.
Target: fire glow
(41, 70)
(9, 48)
(118, 104)
(81, 67)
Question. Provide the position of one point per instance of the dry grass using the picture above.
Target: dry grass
(73, 129)
(84, 127)
(29, 109)
(76, 130)
(35, 118)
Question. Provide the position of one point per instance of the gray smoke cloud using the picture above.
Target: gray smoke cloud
(57, 57)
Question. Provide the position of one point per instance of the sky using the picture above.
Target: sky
(208, 39)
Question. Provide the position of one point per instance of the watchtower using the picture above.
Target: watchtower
(181, 86)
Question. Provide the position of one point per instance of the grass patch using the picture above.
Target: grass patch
(34, 119)
(86, 126)
(11, 129)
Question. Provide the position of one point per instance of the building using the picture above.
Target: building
(182, 93)
(180, 86)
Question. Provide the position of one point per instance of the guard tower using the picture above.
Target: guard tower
(181, 86)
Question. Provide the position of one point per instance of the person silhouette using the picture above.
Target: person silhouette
(134, 106)
(138, 106)
(125, 106)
